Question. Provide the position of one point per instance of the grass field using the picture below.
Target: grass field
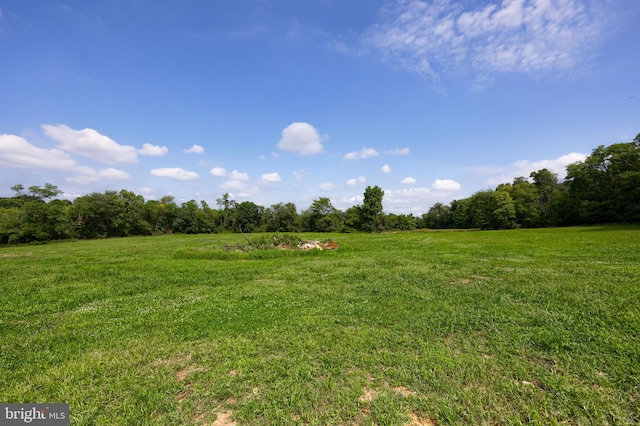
(424, 328)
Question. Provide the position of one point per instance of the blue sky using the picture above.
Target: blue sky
(288, 101)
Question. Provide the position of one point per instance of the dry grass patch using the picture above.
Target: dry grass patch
(186, 372)
(415, 420)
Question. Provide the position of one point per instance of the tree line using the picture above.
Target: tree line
(34, 214)
(605, 188)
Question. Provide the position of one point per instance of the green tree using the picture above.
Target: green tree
(248, 216)
(18, 189)
(321, 216)
(371, 219)
(492, 210)
(351, 219)
(11, 220)
(96, 215)
(132, 219)
(42, 193)
(227, 205)
(438, 217)
(525, 198)
(461, 213)
(599, 186)
(547, 184)
(281, 217)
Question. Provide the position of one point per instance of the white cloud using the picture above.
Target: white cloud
(357, 181)
(299, 174)
(174, 173)
(236, 175)
(3, 25)
(153, 150)
(362, 154)
(556, 165)
(90, 143)
(271, 178)
(445, 185)
(301, 139)
(523, 168)
(327, 186)
(218, 171)
(408, 181)
(195, 149)
(343, 203)
(17, 152)
(399, 151)
(413, 200)
(514, 36)
(112, 173)
(385, 169)
(88, 175)
(233, 184)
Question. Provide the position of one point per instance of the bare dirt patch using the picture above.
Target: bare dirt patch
(403, 391)
(368, 395)
(186, 372)
(415, 420)
(223, 418)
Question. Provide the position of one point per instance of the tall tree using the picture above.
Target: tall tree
(547, 184)
(42, 193)
(598, 186)
(321, 216)
(281, 217)
(371, 219)
(248, 215)
(438, 217)
(226, 204)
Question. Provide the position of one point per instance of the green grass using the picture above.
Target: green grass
(506, 327)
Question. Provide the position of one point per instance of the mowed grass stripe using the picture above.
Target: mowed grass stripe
(508, 327)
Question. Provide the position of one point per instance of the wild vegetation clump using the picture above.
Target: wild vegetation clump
(279, 242)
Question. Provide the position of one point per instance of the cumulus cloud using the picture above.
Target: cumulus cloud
(302, 139)
(385, 169)
(271, 178)
(513, 36)
(299, 174)
(90, 143)
(88, 175)
(233, 184)
(362, 154)
(16, 151)
(399, 151)
(445, 185)
(556, 165)
(416, 200)
(195, 149)
(523, 168)
(357, 181)
(112, 173)
(218, 171)
(408, 181)
(153, 150)
(327, 186)
(174, 173)
(236, 175)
